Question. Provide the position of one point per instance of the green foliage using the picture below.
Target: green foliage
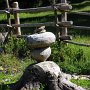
(82, 6)
(16, 46)
(83, 83)
(71, 58)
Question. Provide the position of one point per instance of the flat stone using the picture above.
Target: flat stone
(41, 40)
(41, 54)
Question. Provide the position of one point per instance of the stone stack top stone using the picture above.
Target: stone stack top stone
(41, 40)
(39, 43)
(40, 30)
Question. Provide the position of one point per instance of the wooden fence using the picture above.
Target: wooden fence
(61, 26)
(63, 7)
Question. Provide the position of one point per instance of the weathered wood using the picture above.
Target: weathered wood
(77, 43)
(16, 18)
(43, 9)
(7, 3)
(64, 18)
(81, 13)
(64, 7)
(8, 14)
(2, 11)
(81, 27)
(66, 38)
(4, 25)
(64, 24)
(56, 20)
(47, 73)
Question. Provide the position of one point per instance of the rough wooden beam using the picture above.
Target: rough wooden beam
(81, 13)
(62, 24)
(77, 43)
(2, 11)
(64, 7)
(66, 38)
(80, 27)
(61, 7)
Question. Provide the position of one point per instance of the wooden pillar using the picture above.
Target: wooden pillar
(64, 18)
(56, 21)
(8, 14)
(17, 20)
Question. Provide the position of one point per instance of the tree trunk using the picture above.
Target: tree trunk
(47, 73)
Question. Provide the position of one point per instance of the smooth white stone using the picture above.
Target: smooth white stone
(41, 54)
(41, 40)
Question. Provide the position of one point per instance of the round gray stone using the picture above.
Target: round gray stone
(41, 55)
(41, 40)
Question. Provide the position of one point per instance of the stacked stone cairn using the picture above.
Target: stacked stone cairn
(39, 43)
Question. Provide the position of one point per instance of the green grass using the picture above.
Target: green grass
(8, 79)
(83, 6)
(72, 58)
(83, 83)
(12, 68)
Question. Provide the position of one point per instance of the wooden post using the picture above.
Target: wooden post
(56, 21)
(8, 14)
(64, 18)
(17, 20)
(7, 3)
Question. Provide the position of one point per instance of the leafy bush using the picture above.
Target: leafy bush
(17, 47)
(71, 58)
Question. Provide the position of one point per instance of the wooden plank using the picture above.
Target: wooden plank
(3, 11)
(62, 38)
(81, 13)
(80, 27)
(34, 24)
(76, 43)
(64, 6)
(3, 25)
(64, 24)
(43, 9)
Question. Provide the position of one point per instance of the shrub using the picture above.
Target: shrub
(17, 47)
(71, 58)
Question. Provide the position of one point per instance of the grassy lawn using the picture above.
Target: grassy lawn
(11, 68)
(83, 83)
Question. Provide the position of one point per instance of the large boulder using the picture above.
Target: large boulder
(42, 54)
(40, 40)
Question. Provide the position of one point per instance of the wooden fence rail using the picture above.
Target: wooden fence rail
(61, 6)
(77, 43)
(3, 11)
(62, 25)
(80, 27)
(81, 13)
(64, 7)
